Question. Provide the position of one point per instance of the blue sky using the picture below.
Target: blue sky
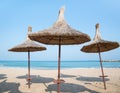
(17, 15)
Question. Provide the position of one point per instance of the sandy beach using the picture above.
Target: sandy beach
(13, 80)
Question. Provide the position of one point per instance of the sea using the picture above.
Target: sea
(54, 64)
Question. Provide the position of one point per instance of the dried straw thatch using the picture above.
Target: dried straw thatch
(60, 32)
(28, 45)
(99, 42)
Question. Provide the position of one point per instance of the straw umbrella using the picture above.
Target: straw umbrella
(28, 46)
(60, 34)
(99, 45)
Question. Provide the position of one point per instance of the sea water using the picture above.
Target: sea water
(54, 64)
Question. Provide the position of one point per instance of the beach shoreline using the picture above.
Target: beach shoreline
(54, 64)
(78, 80)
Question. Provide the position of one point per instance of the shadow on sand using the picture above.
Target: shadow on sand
(3, 76)
(91, 79)
(67, 76)
(7, 87)
(37, 79)
(69, 88)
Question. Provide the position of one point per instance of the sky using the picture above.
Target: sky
(17, 15)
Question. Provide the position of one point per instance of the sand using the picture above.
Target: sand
(87, 80)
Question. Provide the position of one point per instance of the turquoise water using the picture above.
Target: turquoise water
(64, 64)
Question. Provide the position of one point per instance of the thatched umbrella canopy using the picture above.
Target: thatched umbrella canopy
(103, 44)
(60, 34)
(28, 46)
(99, 45)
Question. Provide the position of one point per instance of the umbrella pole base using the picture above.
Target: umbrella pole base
(59, 81)
(103, 76)
(28, 79)
(104, 80)
(29, 83)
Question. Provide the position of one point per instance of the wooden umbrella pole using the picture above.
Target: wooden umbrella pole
(59, 55)
(28, 69)
(102, 68)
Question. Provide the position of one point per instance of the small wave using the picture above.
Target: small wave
(2, 65)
